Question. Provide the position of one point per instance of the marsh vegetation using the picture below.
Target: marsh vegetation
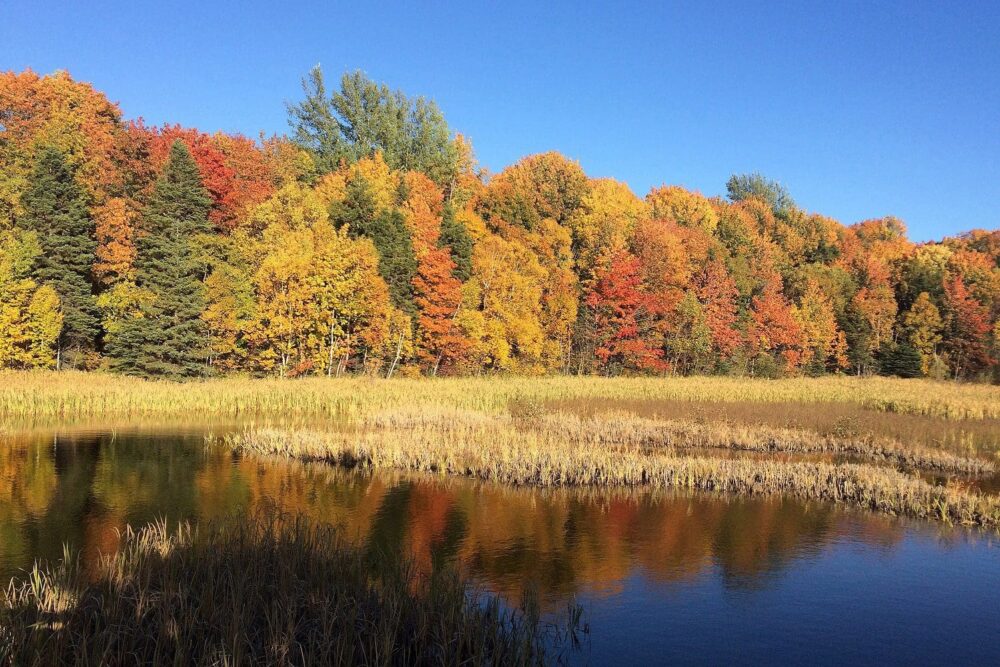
(919, 449)
(596, 546)
(709, 434)
(70, 396)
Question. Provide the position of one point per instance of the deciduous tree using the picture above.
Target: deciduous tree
(923, 326)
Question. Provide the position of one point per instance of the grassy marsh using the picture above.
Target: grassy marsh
(556, 451)
(622, 429)
(579, 431)
(69, 396)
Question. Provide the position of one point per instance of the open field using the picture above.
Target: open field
(267, 590)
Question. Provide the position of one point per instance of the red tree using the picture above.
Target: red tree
(233, 170)
(624, 316)
(438, 296)
(969, 329)
(717, 292)
(772, 328)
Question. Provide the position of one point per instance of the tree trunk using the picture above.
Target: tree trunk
(399, 351)
(342, 366)
(329, 356)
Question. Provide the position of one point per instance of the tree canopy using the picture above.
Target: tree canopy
(369, 243)
(363, 117)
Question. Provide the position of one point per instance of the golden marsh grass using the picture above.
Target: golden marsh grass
(621, 429)
(527, 430)
(69, 395)
(518, 454)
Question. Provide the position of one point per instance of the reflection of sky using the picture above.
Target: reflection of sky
(915, 603)
(663, 575)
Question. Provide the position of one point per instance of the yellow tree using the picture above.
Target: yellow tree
(551, 244)
(286, 332)
(352, 297)
(317, 291)
(878, 306)
(30, 316)
(604, 222)
(923, 326)
(540, 186)
(229, 301)
(502, 315)
(824, 345)
(686, 208)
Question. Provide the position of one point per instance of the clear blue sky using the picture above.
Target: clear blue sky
(861, 109)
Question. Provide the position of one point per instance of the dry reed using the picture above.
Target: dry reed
(627, 430)
(528, 457)
(68, 396)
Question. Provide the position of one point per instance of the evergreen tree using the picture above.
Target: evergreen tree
(902, 360)
(56, 209)
(387, 229)
(858, 332)
(456, 237)
(170, 338)
(755, 185)
(363, 117)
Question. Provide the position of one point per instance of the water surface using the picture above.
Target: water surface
(664, 577)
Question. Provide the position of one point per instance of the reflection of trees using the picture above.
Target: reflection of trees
(149, 477)
(45, 491)
(27, 485)
(559, 542)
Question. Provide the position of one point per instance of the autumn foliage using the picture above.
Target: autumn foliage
(364, 245)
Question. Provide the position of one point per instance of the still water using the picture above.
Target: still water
(662, 577)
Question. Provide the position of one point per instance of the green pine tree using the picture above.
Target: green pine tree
(56, 209)
(903, 361)
(169, 339)
(456, 237)
(387, 229)
(859, 341)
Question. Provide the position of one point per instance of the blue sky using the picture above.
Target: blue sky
(861, 109)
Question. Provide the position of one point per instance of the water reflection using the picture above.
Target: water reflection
(80, 488)
(664, 576)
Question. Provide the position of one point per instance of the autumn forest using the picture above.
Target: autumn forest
(369, 242)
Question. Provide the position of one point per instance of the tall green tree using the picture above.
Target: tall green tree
(363, 117)
(56, 210)
(387, 229)
(756, 185)
(456, 238)
(169, 338)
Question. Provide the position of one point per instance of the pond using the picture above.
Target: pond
(662, 577)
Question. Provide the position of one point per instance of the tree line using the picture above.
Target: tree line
(369, 242)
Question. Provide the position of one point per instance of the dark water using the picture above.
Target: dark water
(662, 577)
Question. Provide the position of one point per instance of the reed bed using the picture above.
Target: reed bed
(627, 430)
(534, 457)
(67, 396)
(261, 591)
